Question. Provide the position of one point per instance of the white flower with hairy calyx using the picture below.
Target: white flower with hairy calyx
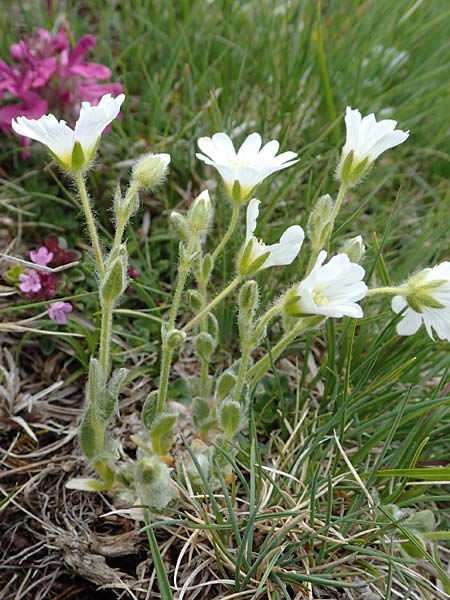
(256, 255)
(332, 290)
(366, 140)
(245, 169)
(427, 301)
(75, 148)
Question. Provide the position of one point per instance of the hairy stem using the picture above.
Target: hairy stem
(90, 223)
(166, 357)
(229, 231)
(388, 291)
(105, 339)
(208, 308)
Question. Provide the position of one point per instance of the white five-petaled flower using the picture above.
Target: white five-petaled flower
(366, 140)
(427, 302)
(256, 255)
(332, 290)
(72, 148)
(247, 167)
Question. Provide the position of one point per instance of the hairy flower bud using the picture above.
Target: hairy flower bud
(174, 338)
(205, 345)
(354, 248)
(115, 280)
(199, 215)
(150, 170)
(179, 224)
(195, 300)
(320, 222)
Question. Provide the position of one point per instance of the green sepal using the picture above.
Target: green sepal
(78, 159)
(248, 267)
(359, 170)
(236, 192)
(346, 167)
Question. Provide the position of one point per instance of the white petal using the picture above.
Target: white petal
(57, 135)
(352, 122)
(390, 140)
(207, 146)
(252, 218)
(224, 147)
(398, 303)
(94, 119)
(287, 248)
(269, 151)
(410, 323)
(250, 147)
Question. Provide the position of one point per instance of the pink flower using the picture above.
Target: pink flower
(30, 281)
(132, 272)
(58, 312)
(47, 75)
(41, 256)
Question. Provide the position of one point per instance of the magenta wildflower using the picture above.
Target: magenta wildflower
(58, 247)
(132, 272)
(31, 282)
(58, 312)
(41, 256)
(47, 75)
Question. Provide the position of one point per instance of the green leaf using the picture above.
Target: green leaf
(424, 474)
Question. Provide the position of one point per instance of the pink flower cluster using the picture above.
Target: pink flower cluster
(47, 75)
(41, 285)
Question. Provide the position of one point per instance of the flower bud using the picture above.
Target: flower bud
(115, 280)
(195, 300)
(248, 304)
(249, 299)
(179, 225)
(174, 338)
(200, 214)
(320, 222)
(354, 248)
(205, 345)
(150, 170)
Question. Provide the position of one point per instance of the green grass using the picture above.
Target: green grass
(191, 68)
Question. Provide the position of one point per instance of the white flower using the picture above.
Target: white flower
(332, 290)
(428, 302)
(73, 149)
(249, 166)
(366, 140)
(257, 255)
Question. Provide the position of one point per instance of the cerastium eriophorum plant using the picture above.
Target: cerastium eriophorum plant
(331, 287)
